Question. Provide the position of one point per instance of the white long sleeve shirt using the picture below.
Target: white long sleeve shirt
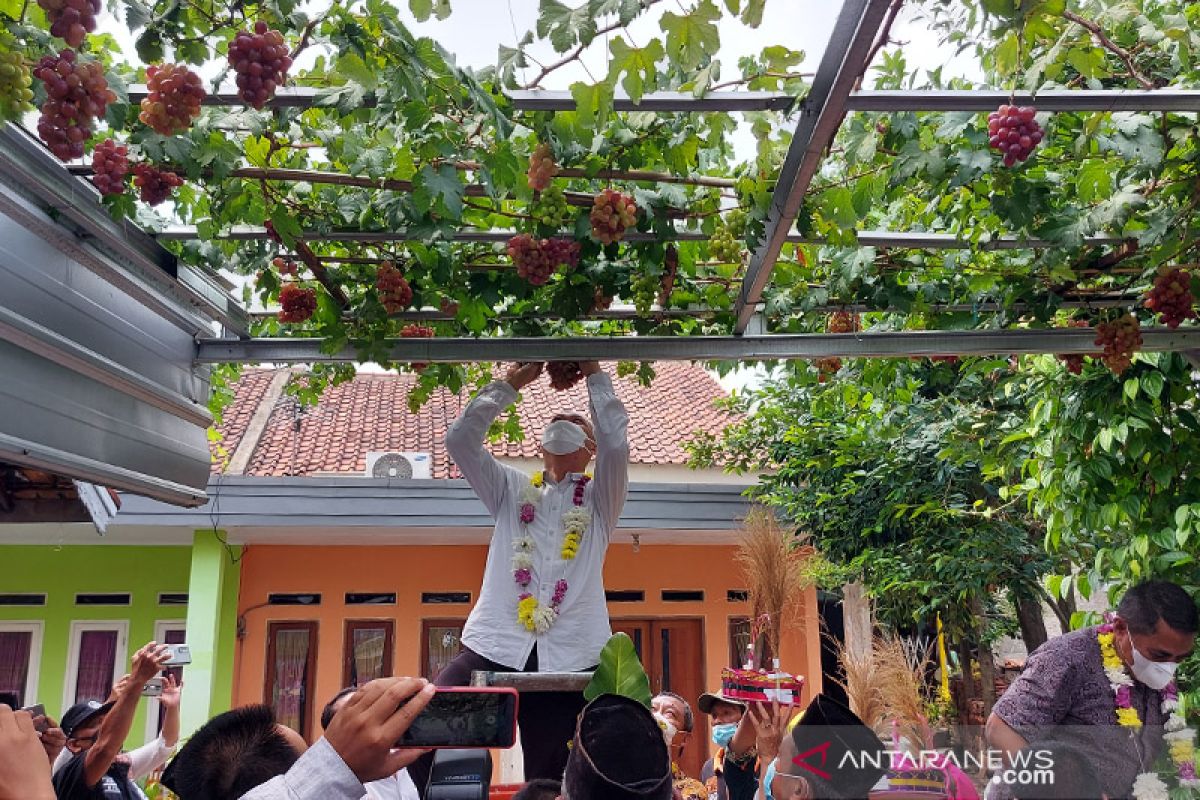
(493, 631)
(319, 774)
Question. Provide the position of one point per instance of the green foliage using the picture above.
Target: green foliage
(620, 672)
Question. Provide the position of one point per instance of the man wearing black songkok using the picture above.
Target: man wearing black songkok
(618, 754)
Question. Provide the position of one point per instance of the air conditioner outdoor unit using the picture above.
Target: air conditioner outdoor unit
(399, 465)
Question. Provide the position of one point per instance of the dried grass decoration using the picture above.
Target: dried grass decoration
(772, 562)
(773, 567)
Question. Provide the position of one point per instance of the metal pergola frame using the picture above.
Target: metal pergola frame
(819, 114)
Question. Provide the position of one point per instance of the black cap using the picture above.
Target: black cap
(618, 753)
(835, 751)
(710, 699)
(80, 713)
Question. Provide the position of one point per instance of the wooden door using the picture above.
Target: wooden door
(672, 652)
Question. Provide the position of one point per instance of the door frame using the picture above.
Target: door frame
(36, 629)
(161, 627)
(310, 669)
(120, 657)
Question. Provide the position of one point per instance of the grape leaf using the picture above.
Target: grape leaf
(443, 183)
(692, 36)
(593, 104)
(638, 64)
(565, 26)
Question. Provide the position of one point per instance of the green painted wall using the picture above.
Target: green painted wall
(144, 572)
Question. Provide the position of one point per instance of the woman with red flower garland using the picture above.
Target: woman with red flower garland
(542, 605)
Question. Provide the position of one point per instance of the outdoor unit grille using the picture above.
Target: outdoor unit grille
(399, 465)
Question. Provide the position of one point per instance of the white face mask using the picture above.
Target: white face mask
(668, 729)
(1155, 674)
(562, 437)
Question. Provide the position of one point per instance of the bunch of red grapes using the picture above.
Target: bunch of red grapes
(417, 332)
(601, 301)
(173, 100)
(76, 94)
(285, 266)
(843, 322)
(1171, 296)
(826, 367)
(261, 61)
(537, 259)
(1073, 361)
(612, 214)
(1014, 131)
(394, 291)
(563, 374)
(71, 20)
(154, 185)
(541, 168)
(297, 303)
(449, 307)
(1120, 340)
(110, 165)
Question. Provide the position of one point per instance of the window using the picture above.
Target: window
(20, 657)
(97, 656)
(367, 651)
(739, 641)
(441, 640)
(165, 632)
(291, 671)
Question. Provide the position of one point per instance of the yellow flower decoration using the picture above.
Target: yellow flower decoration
(570, 546)
(525, 609)
(537, 480)
(1128, 718)
(1108, 652)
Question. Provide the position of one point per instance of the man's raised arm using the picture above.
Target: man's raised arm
(465, 438)
(611, 423)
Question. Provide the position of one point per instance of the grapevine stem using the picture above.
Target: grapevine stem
(578, 51)
(1110, 45)
(743, 81)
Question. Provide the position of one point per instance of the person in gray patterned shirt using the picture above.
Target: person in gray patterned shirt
(1064, 695)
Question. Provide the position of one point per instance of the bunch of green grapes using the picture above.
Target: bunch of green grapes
(724, 246)
(735, 220)
(16, 90)
(645, 292)
(550, 208)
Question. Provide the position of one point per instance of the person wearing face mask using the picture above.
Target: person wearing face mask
(1066, 693)
(542, 606)
(732, 772)
(674, 716)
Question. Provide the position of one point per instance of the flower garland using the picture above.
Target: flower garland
(531, 613)
(1181, 742)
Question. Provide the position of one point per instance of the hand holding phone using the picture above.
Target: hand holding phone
(465, 718)
(178, 655)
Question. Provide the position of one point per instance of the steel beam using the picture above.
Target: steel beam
(684, 102)
(902, 240)
(698, 348)
(821, 114)
(531, 100)
(1151, 100)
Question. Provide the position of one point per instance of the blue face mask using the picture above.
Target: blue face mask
(767, 779)
(723, 733)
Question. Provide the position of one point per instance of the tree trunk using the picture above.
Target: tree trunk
(965, 731)
(987, 663)
(857, 620)
(1033, 624)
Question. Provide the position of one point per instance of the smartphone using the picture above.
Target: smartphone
(38, 712)
(464, 718)
(153, 688)
(179, 655)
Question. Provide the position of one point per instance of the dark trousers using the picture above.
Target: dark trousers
(547, 719)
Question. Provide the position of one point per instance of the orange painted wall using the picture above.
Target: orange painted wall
(410, 570)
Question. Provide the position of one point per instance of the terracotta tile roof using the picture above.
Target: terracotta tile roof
(247, 394)
(370, 413)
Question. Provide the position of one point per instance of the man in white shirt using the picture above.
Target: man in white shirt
(542, 605)
(398, 786)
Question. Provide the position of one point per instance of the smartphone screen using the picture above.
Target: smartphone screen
(465, 718)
